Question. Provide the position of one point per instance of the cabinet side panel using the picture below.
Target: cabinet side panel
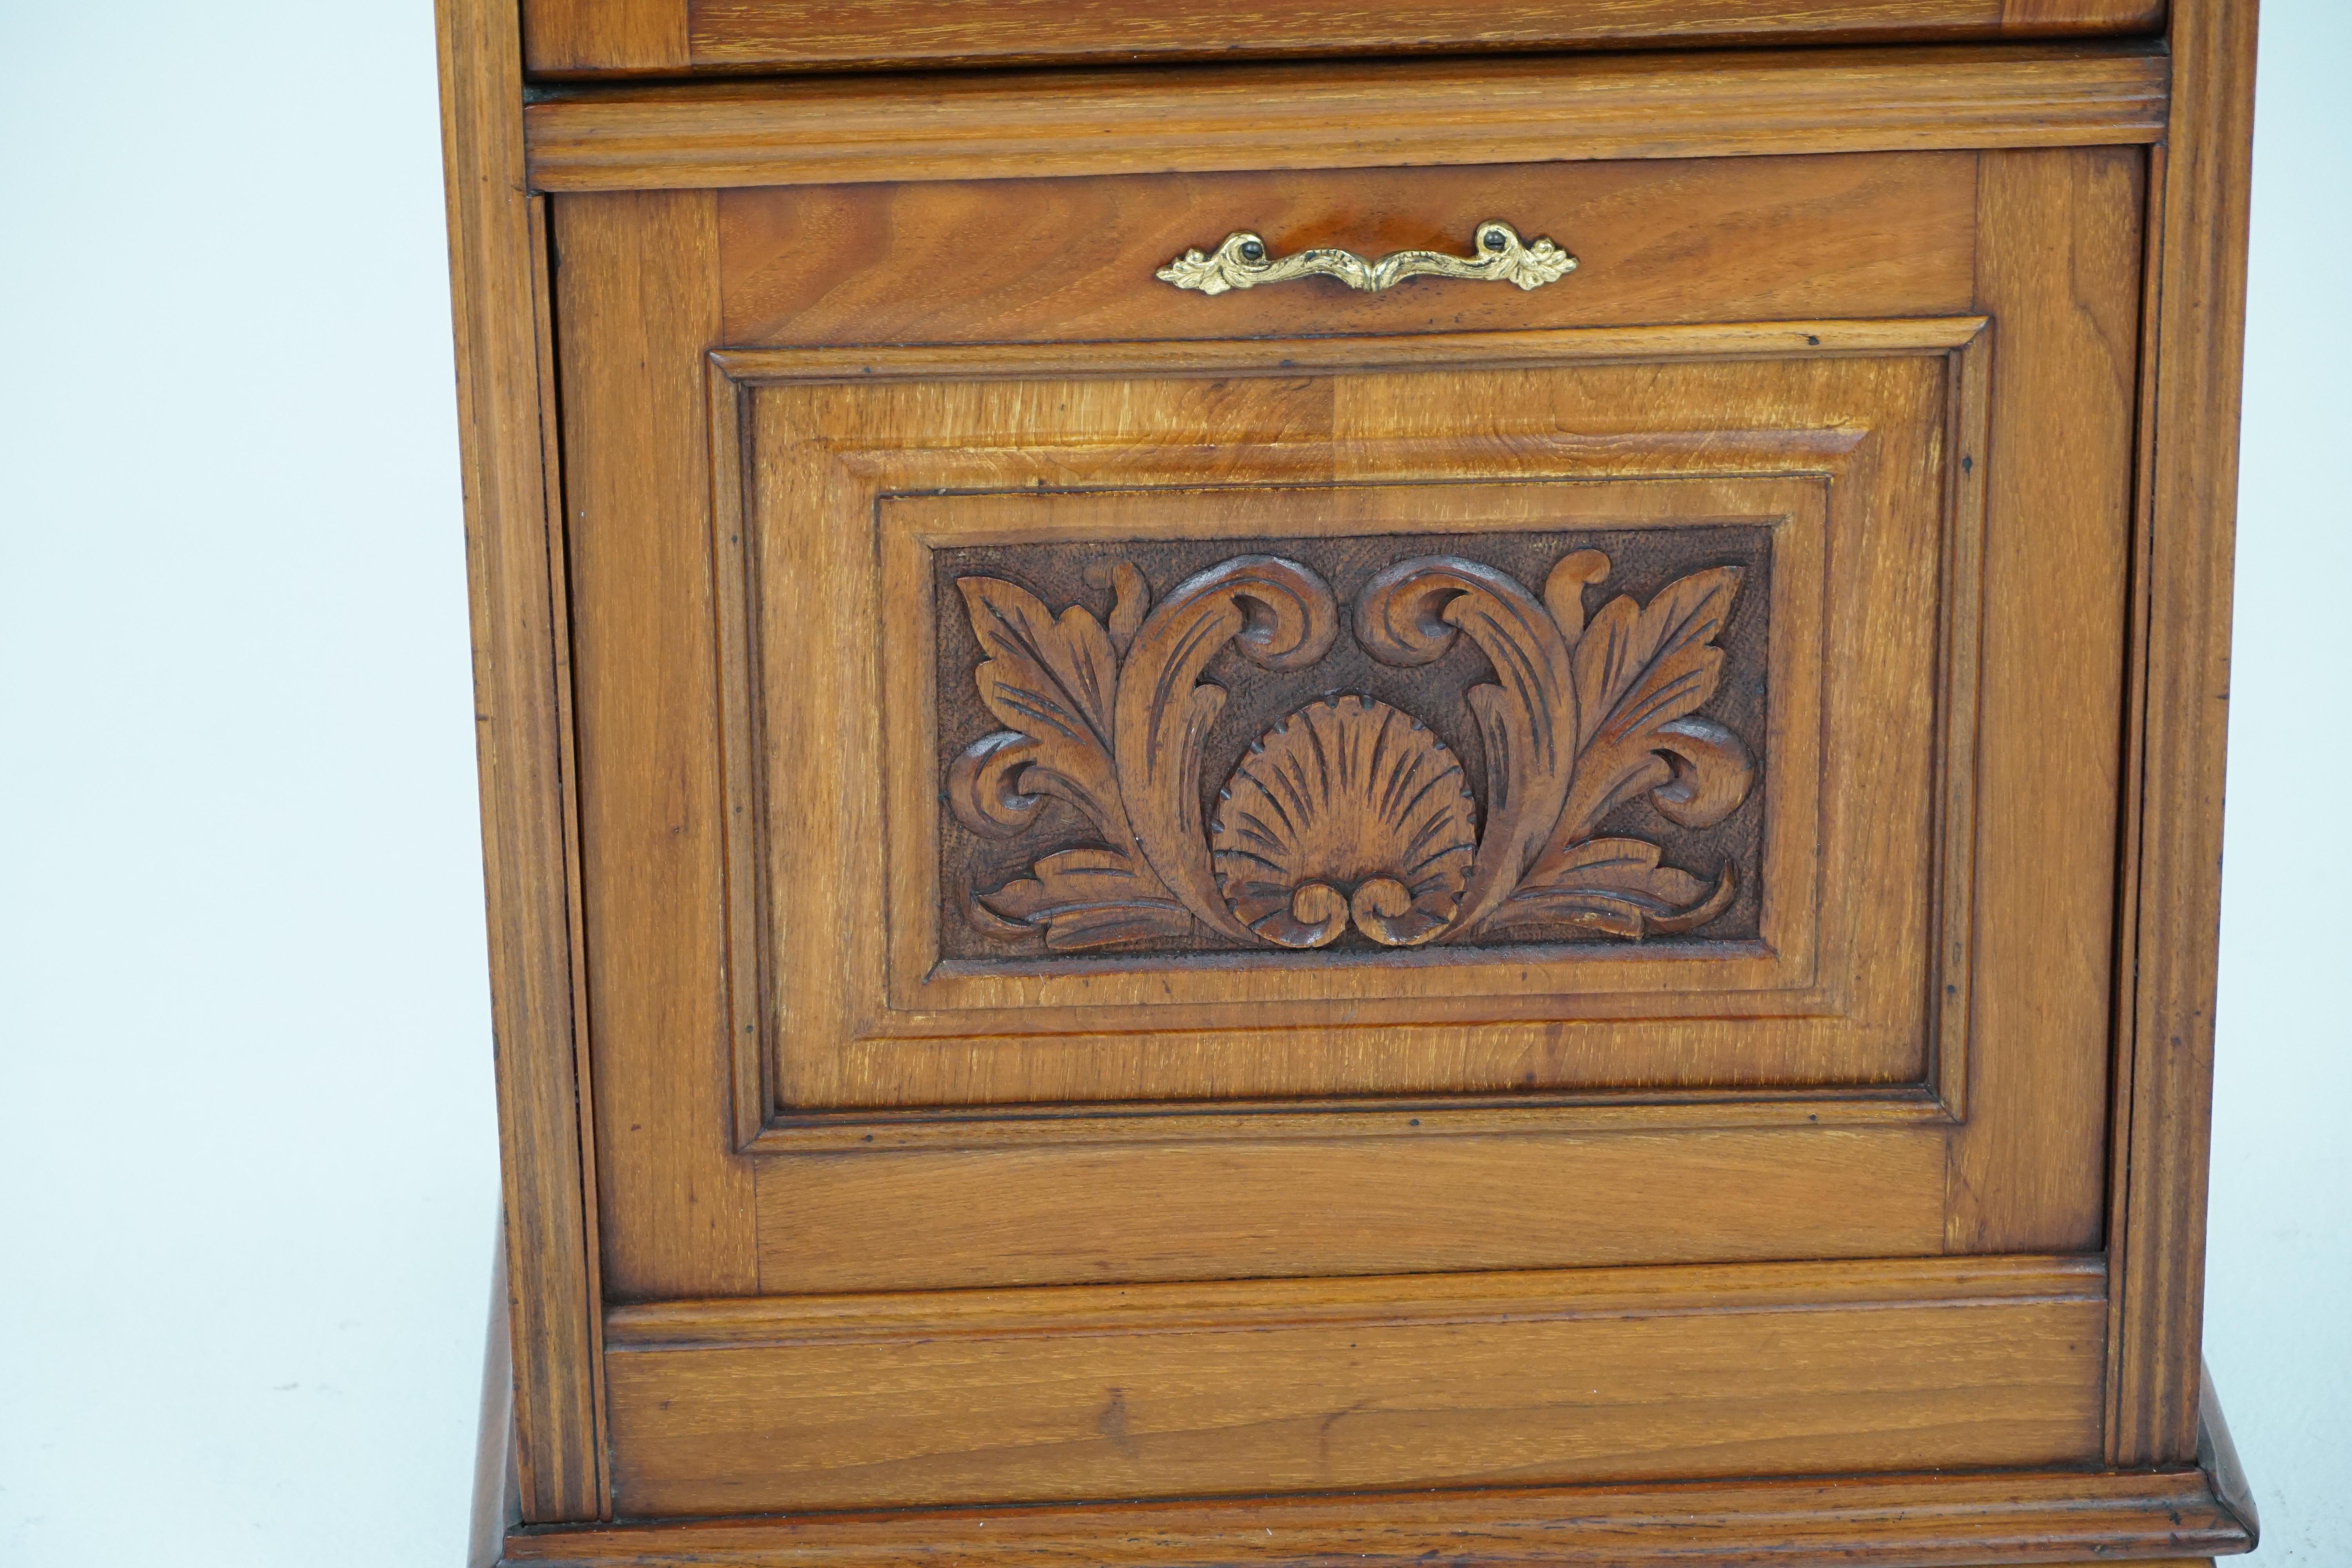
(2168, 1050)
(495, 291)
(638, 304)
(2059, 272)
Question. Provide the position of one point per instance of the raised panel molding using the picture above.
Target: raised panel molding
(984, 829)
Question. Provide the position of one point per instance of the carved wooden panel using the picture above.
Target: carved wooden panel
(1457, 740)
(1371, 725)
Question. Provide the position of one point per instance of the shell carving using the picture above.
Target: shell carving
(1347, 809)
(1351, 812)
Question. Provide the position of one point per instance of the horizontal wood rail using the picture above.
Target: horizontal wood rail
(1629, 1375)
(1199, 118)
(1951, 1520)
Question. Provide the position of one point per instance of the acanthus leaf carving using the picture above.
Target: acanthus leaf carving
(1410, 614)
(1639, 668)
(1617, 884)
(1055, 681)
(1349, 811)
(1090, 897)
(1279, 615)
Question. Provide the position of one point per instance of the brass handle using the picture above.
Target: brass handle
(1241, 262)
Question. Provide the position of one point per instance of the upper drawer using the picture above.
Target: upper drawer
(582, 38)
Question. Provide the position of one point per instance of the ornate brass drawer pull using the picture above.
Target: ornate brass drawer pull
(1241, 262)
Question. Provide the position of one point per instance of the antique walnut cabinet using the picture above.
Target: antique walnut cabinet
(1303, 780)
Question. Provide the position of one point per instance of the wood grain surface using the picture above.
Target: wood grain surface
(1050, 1037)
(578, 37)
(1512, 1269)
(1232, 1209)
(2047, 1520)
(2196, 327)
(514, 528)
(1359, 115)
(1140, 1391)
(1658, 241)
(637, 298)
(2028, 1172)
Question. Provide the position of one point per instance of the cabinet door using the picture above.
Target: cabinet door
(1395, 908)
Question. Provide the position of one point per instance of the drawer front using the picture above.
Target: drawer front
(1656, 241)
(1090, 781)
(579, 38)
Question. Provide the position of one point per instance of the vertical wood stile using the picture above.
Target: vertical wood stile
(511, 562)
(2197, 327)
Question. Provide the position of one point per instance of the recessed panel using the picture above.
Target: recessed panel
(1471, 741)
(1296, 740)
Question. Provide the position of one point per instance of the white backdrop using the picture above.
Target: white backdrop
(248, 1157)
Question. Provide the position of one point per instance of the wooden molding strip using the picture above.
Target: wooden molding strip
(1242, 1305)
(496, 264)
(1062, 362)
(1193, 118)
(2165, 1052)
(1914, 1521)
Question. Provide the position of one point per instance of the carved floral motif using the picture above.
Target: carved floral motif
(1349, 811)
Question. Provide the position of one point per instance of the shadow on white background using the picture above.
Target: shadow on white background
(246, 1142)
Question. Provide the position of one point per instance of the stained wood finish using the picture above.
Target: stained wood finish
(684, 1234)
(522, 684)
(1322, 1386)
(1929, 307)
(578, 37)
(637, 295)
(2047, 1520)
(1303, 1208)
(1203, 119)
(2027, 1170)
(1761, 239)
(2196, 327)
(866, 977)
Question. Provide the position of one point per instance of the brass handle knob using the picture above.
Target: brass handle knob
(1499, 256)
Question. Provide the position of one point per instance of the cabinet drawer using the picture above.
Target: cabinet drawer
(582, 37)
(1656, 241)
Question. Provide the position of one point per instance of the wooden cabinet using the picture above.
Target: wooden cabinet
(1273, 811)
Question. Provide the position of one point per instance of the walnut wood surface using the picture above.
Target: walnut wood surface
(2027, 1170)
(675, 1229)
(513, 533)
(572, 37)
(1249, 1331)
(1291, 1208)
(871, 1010)
(1757, 239)
(1143, 1391)
(1591, 791)
(1199, 118)
(637, 302)
(2196, 326)
(2048, 1519)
